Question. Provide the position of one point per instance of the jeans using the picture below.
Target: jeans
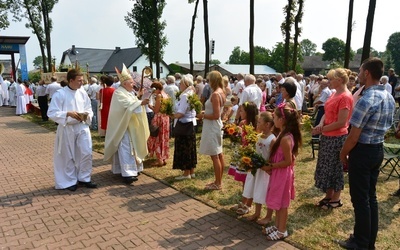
(364, 163)
(94, 119)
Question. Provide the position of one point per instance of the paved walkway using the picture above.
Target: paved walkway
(146, 215)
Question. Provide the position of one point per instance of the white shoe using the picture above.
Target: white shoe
(193, 176)
(183, 177)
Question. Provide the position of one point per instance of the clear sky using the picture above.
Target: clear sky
(101, 24)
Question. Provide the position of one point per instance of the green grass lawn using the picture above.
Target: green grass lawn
(309, 227)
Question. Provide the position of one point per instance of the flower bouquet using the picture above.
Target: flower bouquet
(166, 106)
(195, 103)
(232, 131)
(251, 161)
(251, 136)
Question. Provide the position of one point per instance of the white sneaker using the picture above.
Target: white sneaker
(183, 177)
(193, 176)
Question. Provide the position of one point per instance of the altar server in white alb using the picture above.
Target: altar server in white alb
(127, 130)
(71, 108)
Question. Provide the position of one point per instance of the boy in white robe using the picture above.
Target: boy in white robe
(71, 108)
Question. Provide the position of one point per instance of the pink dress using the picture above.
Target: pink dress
(160, 144)
(281, 183)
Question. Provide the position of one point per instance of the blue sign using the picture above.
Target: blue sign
(8, 47)
(24, 64)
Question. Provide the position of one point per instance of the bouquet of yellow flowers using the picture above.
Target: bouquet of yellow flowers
(195, 103)
(306, 122)
(232, 131)
(166, 106)
(251, 136)
(250, 160)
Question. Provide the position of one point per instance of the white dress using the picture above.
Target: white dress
(21, 101)
(256, 186)
(211, 135)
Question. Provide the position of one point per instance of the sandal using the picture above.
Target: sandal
(213, 186)
(268, 230)
(243, 210)
(332, 205)
(276, 235)
(236, 207)
(322, 202)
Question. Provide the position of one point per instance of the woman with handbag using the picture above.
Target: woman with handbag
(158, 142)
(185, 155)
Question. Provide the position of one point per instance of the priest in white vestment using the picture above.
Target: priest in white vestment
(127, 130)
(12, 93)
(21, 101)
(71, 108)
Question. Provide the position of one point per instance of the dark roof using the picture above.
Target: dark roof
(95, 58)
(119, 56)
(315, 62)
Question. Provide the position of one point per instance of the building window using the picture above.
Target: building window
(161, 69)
(134, 68)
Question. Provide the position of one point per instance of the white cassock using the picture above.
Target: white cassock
(12, 94)
(73, 144)
(21, 101)
(4, 86)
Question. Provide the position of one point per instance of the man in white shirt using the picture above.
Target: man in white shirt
(385, 82)
(239, 87)
(251, 92)
(52, 87)
(93, 89)
(171, 89)
(116, 82)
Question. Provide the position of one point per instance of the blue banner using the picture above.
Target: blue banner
(24, 64)
(9, 47)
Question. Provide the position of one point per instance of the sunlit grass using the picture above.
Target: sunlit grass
(309, 227)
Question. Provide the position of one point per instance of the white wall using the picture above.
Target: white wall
(142, 62)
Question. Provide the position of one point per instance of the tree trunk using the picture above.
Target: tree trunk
(368, 30)
(157, 58)
(206, 38)
(349, 31)
(191, 36)
(251, 37)
(36, 31)
(288, 25)
(297, 33)
(47, 30)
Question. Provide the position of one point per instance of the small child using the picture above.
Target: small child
(231, 116)
(281, 182)
(255, 188)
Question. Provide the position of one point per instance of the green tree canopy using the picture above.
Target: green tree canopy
(334, 50)
(38, 62)
(277, 58)
(393, 48)
(261, 56)
(215, 61)
(307, 48)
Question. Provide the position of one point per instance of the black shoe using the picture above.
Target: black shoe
(130, 179)
(88, 184)
(72, 188)
(397, 193)
(348, 244)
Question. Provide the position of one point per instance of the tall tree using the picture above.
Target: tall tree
(307, 48)
(297, 32)
(144, 20)
(334, 50)
(37, 12)
(368, 30)
(192, 34)
(251, 37)
(4, 22)
(349, 30)
(286, 27)
(393, 49)
(206, 37)
(38, 62)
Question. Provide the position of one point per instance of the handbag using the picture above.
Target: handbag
(183, 128)
(154, 130)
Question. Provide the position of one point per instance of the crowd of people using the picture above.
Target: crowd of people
(353, 111)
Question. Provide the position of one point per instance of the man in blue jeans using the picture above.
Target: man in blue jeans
(363, 151)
